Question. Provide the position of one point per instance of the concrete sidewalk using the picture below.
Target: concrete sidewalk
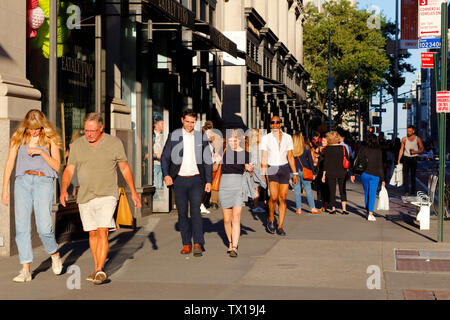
(322, 257)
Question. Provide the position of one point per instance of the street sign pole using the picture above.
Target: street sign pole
(381, 108)
(442, 124)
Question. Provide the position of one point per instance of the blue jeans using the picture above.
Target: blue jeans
(298, 191)
(188, 198)
(33, 192)
(370, 185)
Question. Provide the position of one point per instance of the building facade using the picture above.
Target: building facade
(268, 77)
(138, 62)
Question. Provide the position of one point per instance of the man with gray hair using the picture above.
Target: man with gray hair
(96, 157)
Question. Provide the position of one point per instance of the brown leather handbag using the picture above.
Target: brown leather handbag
(308, 175)
(217, 175)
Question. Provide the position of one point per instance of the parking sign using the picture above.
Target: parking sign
(430, 18)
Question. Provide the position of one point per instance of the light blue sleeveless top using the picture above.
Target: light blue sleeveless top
(26, 162)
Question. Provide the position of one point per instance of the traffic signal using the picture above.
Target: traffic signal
(370, 129)
(407, 106)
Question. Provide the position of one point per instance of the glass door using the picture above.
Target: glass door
(161, 105)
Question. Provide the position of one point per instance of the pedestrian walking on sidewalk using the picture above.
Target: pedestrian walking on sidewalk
(277, 158)
(323, 194)
(36, 147)
(334, 170)
(303, 159)
(254, 140)
(235, 161)
(187, 166)
(95, 157)
(373, 174)
(411, 146)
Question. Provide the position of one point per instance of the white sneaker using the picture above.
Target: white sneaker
(203, 209)
(57, 265)
(24, 276)
(371, 218)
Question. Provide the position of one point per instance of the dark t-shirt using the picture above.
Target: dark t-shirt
(234, 162)
(333, 161)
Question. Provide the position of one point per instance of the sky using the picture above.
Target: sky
(387, 8)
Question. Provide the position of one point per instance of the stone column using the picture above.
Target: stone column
(299, 39)
(292, 29)
(283, 21)
(272, 15)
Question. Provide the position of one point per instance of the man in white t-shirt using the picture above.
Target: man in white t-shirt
(277, 163)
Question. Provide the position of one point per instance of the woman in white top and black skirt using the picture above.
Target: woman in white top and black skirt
(235, 162)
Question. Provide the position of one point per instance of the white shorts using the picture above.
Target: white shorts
(98, 213)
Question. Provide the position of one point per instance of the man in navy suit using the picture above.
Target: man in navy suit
(186, 163)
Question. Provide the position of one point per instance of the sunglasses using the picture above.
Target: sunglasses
(275, 122)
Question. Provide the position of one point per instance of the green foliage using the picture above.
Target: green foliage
(353, 44)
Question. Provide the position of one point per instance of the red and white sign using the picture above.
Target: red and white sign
(427, 59)
(430, 18)
(443, 101)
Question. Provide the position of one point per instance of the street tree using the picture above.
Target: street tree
(354, 44)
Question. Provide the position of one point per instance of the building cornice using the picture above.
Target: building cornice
(281, 47)
(269, 35)
(256, 19)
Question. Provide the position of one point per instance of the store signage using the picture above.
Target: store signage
(427, 59)
(253, 65)
(222, 42)
(443, 101)
(80, 69)
(430, 18)
(176, 11)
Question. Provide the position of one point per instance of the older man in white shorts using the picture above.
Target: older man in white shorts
(96, 157)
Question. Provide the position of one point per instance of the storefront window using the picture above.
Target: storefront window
(75, 67)
(146, 123)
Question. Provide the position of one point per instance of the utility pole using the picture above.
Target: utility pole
(441, 121)
(381, 107)
(359, 104)
(395, 133)
(330, 83)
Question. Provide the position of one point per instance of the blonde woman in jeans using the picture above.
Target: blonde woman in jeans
(36, 146)
(303, 158)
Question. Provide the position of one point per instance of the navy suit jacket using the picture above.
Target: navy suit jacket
(172, 155)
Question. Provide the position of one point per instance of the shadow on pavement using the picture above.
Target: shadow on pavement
(126, 244)
(218, 227)
(76, 249)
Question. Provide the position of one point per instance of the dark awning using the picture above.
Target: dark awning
(174, 11)
(216, 39)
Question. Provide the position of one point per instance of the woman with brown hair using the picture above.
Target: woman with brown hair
(334, 170)
(303, 159)
(36, 146)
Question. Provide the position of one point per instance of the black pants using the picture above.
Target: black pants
(409, 166)
(332, 188)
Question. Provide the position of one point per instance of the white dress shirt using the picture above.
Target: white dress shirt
(277, 156)
(188, 165)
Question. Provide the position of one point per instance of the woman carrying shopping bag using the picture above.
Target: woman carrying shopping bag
(372, 174)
